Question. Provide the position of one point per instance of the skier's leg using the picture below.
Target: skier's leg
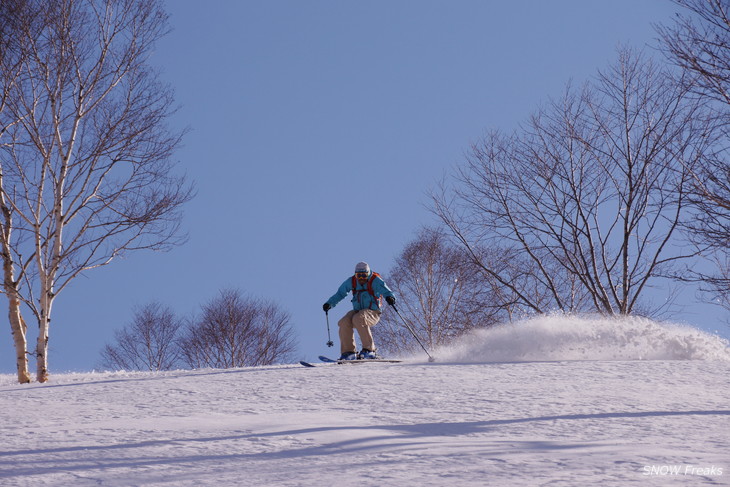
(347, 333)
(362, 321)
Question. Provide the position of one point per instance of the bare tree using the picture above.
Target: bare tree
(442, 295)
(88, 172)
(237, 331)
(588, 196)
(148, 342)
(699, 43)
(15, 15)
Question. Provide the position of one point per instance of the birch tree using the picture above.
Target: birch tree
(588, 196)
(89, 174)
(15, 16)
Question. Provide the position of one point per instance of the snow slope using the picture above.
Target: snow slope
(509, 420)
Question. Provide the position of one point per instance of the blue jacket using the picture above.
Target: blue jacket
(362, 299)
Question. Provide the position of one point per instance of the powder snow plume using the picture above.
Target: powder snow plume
(567, 337)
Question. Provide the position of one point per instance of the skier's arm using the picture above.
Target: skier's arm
(381, 289)
(341, 293)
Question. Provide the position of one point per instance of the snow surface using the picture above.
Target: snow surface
(555, 401)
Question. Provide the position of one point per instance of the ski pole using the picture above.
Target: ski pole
(430, 358)
(329, 337)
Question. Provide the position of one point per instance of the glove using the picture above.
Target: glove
(326, 307)
(390, 300)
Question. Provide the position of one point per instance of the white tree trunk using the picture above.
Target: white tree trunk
(45, 302)
(10, 288)
(42, 354)
(19, 328)
(42, 343)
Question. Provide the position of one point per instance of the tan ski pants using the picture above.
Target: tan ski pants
(361, 321)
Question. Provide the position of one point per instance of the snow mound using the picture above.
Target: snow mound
(560, 337)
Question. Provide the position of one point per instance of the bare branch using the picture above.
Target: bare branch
(589, 195)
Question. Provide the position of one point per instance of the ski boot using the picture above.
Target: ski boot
(366, 354)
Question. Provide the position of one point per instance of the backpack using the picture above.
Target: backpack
(355, 291)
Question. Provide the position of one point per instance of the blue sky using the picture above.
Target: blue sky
(317, 129)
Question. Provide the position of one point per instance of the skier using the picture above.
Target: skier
(368, 289)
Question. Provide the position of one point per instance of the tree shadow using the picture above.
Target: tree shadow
(393, 436)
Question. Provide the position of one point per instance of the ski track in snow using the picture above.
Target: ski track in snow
(558, 422)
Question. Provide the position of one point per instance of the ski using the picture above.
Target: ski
(370, 361)
(343, 362)
(328, 360)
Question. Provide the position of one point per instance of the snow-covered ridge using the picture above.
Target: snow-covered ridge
(560, 337)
